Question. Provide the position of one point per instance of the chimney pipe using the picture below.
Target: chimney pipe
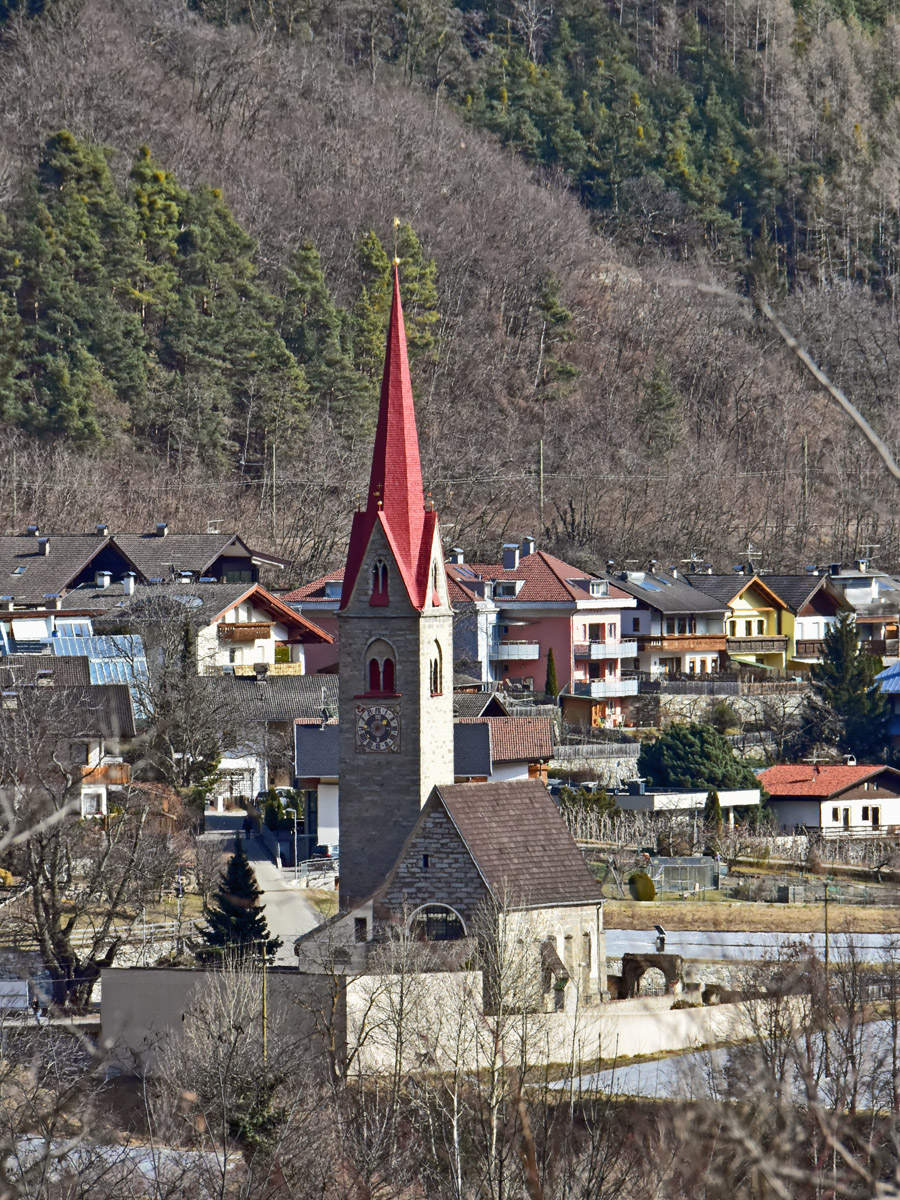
(44, 546)
(102, 529)
(8, 602)
(32, 530)
(510, 556)
(102, 580)
(456, 555)
(161, 529)
(528, 544)
(261, 670)
(128, 584)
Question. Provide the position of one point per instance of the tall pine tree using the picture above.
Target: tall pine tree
(237, 925)
(847, 706)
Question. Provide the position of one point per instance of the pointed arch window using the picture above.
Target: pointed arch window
(437, 670)
(381, 675)
(379, 595)
(435, 592)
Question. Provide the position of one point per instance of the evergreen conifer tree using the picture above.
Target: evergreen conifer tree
(691, 756)
(847, 706)
(551, 687)
(237, 925)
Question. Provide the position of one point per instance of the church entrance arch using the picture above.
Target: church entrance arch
(670, 967)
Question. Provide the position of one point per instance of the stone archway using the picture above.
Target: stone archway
(634, 966)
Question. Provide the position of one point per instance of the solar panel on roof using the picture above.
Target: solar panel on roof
(646, 586)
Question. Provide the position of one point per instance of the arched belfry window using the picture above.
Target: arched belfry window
(435, 592)
(437, 670)
(379, 582)
(381, 675)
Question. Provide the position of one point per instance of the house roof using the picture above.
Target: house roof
(668, 593)
(25, 668)
(728, 587)
(478, 704)
(203, 603)
(158, 557)
(309, 593)
(517, 739)
(283, 698)
(30, 576)
(816, 782)
(396, 499)
(78, 710)
(889, 679)
(547, 579)
(519, 842)
(797, 590)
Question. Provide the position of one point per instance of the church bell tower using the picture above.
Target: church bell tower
(395, 636)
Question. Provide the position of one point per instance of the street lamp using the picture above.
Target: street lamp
(293, 813)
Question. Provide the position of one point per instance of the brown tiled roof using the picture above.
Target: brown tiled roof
(520, 843)
(315, 590)
(517, 739)
(157, 557)
(546, 579)
(67, 671)
(473, 704)
(804, 779)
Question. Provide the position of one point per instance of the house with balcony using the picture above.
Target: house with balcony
(236, 628)
(679, 630)
(531, 602)
(758, 622)
(874, 597)
(838, 800)
(814, 605)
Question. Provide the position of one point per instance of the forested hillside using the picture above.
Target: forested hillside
(198, 206)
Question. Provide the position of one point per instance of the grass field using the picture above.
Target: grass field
(753, 918)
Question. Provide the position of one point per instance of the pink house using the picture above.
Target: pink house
(531, 602)
(322, 597)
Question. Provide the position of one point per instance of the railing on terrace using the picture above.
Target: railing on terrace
(626, 648)
(515, 651)
(757, 644)
(599, 689)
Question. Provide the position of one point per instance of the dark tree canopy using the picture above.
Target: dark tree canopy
(693, 756)
(847, 708)
(237, 925)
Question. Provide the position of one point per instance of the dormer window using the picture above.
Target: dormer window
(508, 588)
(379, 594)
(599, 587)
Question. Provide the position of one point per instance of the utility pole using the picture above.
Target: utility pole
(541, 479)
(273, 491)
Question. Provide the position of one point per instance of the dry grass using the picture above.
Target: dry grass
(323, 900)
(751, 918)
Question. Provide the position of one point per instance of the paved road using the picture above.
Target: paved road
(288, 912)
(742, 946)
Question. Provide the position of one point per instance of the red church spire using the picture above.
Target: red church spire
(396, 496)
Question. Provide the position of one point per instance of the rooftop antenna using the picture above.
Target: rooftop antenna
(212, 524)
(694, 561)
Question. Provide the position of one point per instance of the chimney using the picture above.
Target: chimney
(862, 564)
(8, 602)
(510, 556)
(161, 529)
(32, 531)
(185, 576)
(834, 569)
(653, 565)
(674, 572)
(261, 670)
(456, 555)
(101, 529)
(128, 584)
(44, 546)
(528, 544)
(44, 679)
(54, 599)
(102, 580)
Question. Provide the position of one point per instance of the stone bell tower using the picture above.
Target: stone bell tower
(395, 637)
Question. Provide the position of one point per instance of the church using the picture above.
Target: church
(419, 853)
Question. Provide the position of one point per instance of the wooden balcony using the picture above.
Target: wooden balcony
(244, 631)
(683, 643)
(764, 644)
(111, 773)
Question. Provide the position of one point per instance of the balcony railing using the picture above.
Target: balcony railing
(679, 643)
(810, 647)
(619, 649)
(115, 772)
(515, 651)
(244, 631)
(600, 689)
(763, 644)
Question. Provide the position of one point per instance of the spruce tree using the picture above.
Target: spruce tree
(693, 756)
(847, 707)
(237, 925)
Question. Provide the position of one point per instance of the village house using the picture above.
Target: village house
(874, 597)
(40, 567)
(813, 606)
(679, 630)
(834, 800)
(756, 627)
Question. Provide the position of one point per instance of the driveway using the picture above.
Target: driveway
(288, 912)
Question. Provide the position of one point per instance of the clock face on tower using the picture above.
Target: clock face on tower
(377, 729)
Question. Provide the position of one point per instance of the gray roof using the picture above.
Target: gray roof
(29, 575)
(720, 587)
(201, 602)
(317, 750)
(278, 698)
(76, 711)
(668, 594)
(472, 749)
(25, 668)
(158, 557)
(796, 590)
(519, 842)
(478, 704)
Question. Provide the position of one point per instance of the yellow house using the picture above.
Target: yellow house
(759, 629)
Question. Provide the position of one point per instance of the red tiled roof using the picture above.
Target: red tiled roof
(805, 779)
(316, 589)
(546, 579)
(396, 497)
(517, 739)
